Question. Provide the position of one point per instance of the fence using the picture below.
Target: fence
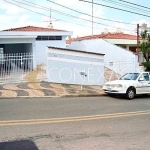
(19, 67)
(122, 67)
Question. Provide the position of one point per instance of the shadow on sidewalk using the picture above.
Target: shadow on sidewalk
(18, 145)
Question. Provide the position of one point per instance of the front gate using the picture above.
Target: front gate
(21, 67)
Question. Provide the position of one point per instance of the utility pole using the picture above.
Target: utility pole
(138, 41)
(92, 17)
(138, 38)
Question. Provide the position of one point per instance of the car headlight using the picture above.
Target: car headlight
(112, 86)
(118, 85)
(106, 85)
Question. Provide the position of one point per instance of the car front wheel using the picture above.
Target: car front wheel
(130, 94)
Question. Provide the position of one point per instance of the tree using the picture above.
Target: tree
(145, 49)
(145, 45)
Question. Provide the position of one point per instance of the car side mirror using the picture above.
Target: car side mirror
(141, 79)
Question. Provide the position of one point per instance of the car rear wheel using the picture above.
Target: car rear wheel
(130, 94)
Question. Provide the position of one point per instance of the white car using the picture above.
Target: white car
(130, 85)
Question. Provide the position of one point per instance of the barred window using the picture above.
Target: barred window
(48, 38)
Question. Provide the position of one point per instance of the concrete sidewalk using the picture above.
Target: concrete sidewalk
(45, 89)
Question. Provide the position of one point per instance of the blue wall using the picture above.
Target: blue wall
(68, 72)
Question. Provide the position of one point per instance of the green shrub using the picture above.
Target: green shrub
(146, 65)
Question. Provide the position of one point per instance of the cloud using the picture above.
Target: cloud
(17, 21)
(140, 22)
(13, 16)
(10, 9)
(7, 21)
(78, 30)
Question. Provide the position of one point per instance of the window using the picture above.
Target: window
(130, 76)
(111, 64)
(50, 38)
(58, 38)
(39, 38)
(44, 38)
(146, 76)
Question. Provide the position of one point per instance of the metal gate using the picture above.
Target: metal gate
(21, 67)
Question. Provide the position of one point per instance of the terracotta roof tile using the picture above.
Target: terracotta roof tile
(105, 36)
(34, 29)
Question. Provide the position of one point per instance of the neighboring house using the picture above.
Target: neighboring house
(116, 58)
(69, 66)
(33, 40)
(126, 41)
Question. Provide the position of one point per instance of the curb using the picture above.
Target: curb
(30, 97)
(84, 95)
(63, 96)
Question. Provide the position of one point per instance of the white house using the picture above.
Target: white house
(45, 49)
(33, 40)
(123, 40)
(116, 58)
(74, 66)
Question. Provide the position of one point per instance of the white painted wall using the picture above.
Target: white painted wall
(16, 40)
(41, 45)
(122, 41)
(40, 49)
(64, 67)
(123, 61)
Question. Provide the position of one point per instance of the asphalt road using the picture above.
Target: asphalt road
(99, 123)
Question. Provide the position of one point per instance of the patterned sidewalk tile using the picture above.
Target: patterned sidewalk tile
(1, 87)
(46, 89)
(58, 89)
(38, 93)
(45, 85)
(8, 93)
(11, 87)
(48, 92)
(34, 86)
(23, 86)
(22, 93)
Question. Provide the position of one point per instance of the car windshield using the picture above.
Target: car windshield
(130, 76)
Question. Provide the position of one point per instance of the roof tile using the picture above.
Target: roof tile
(34, 29)
(105, 36)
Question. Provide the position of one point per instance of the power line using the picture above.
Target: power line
(88, 14)
(48, 16)
(39, 6)
(126, 6)
(63, 13)
(135, 4)
(115, 8)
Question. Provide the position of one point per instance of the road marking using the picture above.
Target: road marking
(71, 119)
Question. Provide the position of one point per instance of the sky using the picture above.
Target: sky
(37, 13)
